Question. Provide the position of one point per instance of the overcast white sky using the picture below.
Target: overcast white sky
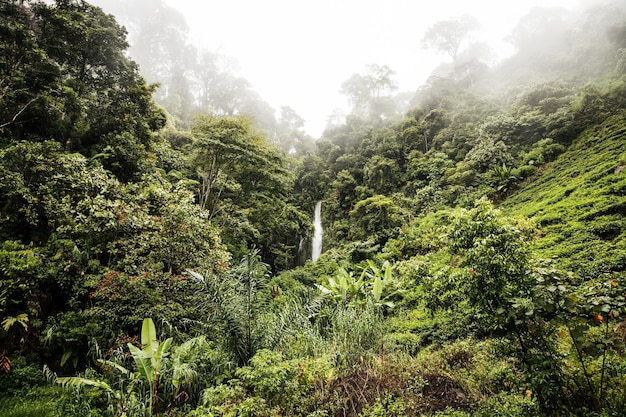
(297, 53)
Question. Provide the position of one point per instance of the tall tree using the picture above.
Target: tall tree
(66, 77)
(447, 36)
(244, 183)
(370, 94)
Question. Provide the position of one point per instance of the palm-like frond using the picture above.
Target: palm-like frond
(183, 372)
(77, 381)
(106, 364)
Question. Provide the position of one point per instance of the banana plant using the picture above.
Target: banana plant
(345, 287)
(150, 359)
(372, 285)
(382, 279)
(151, 362)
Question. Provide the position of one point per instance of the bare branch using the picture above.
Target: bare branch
(2, 126)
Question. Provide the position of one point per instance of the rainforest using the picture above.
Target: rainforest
(158, 253)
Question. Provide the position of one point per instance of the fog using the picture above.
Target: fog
(298, 54)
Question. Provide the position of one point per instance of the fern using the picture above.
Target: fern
(21, 319)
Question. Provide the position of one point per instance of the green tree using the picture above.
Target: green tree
(244, 183)
(495, 255)
(28, 76)
(376, 217)
(291, 136)
(75, 84)
(381, 173)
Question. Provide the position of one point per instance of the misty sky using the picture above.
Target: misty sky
(297, 53)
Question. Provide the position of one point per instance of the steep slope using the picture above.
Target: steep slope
(579, 201)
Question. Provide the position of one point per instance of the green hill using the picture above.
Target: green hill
(579, 201)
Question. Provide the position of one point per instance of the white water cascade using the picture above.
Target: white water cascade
(317, 232)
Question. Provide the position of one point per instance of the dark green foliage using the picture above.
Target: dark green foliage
(25, 376)
(243, 182)
(75, 85)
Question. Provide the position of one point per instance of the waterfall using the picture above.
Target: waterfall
(317, 232)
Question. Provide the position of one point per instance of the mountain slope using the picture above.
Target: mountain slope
(579, 201)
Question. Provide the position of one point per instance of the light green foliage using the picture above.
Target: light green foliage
(345, 287)
(495, 251)
(374, 285)
(386, 407)
(421, 236)
(149, 360)
(269, 385)
(481, 265)
(239, 302)
(508, 405)
(543, 151)
(270, 376)
(488, 153)
(354, 334)
(169, 229)
(577, 202)
(480, 367)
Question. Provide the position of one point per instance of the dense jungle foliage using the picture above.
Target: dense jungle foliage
(155, 263)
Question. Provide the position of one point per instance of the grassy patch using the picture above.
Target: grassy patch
(40, 402)
(579, 202)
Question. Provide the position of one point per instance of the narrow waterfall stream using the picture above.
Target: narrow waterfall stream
(317, 232)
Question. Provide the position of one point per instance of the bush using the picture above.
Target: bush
(508, 405)
(23, 376)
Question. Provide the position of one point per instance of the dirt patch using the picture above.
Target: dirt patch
(442, 392)
(350, 393)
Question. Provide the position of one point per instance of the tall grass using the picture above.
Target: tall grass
(40, 402)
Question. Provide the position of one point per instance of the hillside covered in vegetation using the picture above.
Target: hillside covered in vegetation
(155, 244)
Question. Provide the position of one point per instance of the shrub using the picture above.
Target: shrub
(24, 376)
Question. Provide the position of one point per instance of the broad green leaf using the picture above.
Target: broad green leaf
(21, 319)
(66, 355)
(161, 352)
(143, 364)
(148, 333)
(387, 275)
(377, 289)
